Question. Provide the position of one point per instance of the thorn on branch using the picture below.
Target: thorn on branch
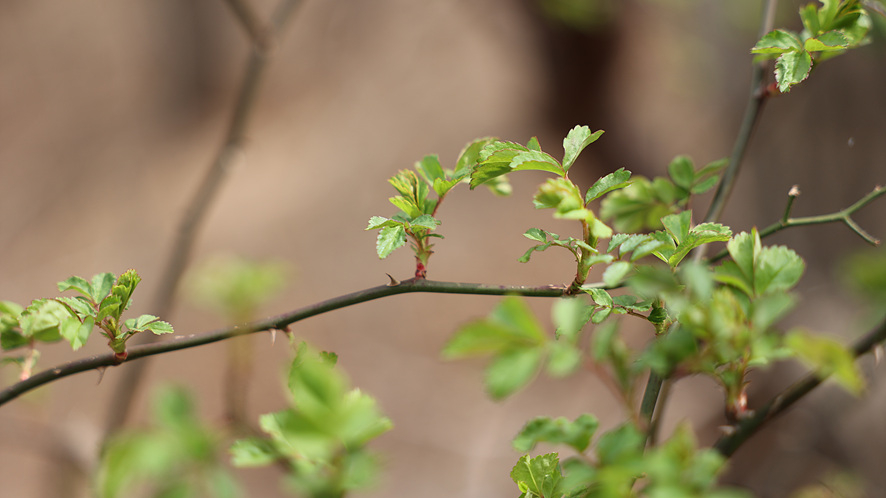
(394, 282)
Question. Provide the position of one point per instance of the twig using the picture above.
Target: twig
(727, 445)
(195, 213)
(844, 216)
(279, 322)
(754, 107)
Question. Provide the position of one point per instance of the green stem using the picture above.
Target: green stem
(650, 399)
(280, 322)
(844, 216)
(727, 445)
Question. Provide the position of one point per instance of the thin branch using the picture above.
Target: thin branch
(757, 98)
(844, 216)
(727, 445)
(196, 211)
(280, 322)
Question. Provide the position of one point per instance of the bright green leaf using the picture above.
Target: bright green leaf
(792, 68)
(390, 238)
(512, 370)
(682, 172)
(615, 180)
(829, 41)
(616, 272)
(576, 140)
(777, 42)
(538, 475)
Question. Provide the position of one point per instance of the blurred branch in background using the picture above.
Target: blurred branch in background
(261, 38)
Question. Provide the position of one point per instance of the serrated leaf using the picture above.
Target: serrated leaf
(377, 222)
(42, 319)
(576, 140)
(538, 475)
(615, 180)
(78, 305)
(826, 42)
(616, 272)
(600, 296)
(526, 255)
(699, 235)
(426, 221)
(827, 357)
(792, 68)
(704, 185)
(777, 42)
(620, 445)
(536, 161)
(510, 325)
(512, 370)
(408, 206)
(682, 172)
(469, 157)
(577, 433)
(777, 269)
(389, 239)
(78, 284)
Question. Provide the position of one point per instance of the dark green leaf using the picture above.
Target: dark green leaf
(536, 234)
(536, 161)
(829, 41)
(792, 68)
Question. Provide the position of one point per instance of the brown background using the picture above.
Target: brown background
(110, 112)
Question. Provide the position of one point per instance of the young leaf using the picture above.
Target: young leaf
(576, 434)
(537, 161)
(538, 476)
(615, 180)
(536, 234)
(616, 272)
(390, 238)
(570, 314)
(828, 357)
(512, 370)
(76, 333)
(79, 284)
(563, 359)
(777, 42)
(576, 140)
(792, 68)
(682, 172)
(430, 170)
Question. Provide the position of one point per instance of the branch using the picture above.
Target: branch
(195, 213)
(727, 445)
(280, 322)
(844, 215)
(754, 107)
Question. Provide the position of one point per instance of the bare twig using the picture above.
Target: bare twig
(280, 322)
(844, 216)
(754, 107)
(195, 213)
(727, 445)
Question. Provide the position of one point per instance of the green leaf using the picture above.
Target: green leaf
(620, 445)
(576, 140)
(123, 290)
(377, 222)
(600, 296)
(570, 314)
(777, 42)
(563, 359)
(536, 234)
(539, 476)
(78, 284)
(616, 272)
(560, 194)
(792, 68)
(512, 370)
(828, 357)
(42, 318)
(511, 325)
(561, 430)
(253, 452)
(469, 157)
(430, 169)
(699, 235)
(826, 42)
(390, 238)
(78, 305)
(425, 221)
(682, 172)
(777, 269)
(536, 161)
(615, 180)
(678, 225)
(148, 322)
(76, 333)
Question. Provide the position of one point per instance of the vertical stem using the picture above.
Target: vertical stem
(195, 213)
(650, 398)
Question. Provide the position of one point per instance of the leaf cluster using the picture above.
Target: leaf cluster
(617, 464)
(101, 303)
(178, 456)
(829, 30)
(322, 438)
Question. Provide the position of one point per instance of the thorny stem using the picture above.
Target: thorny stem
(195, 213)
(280, 322)
(844, 216)
(749, 426)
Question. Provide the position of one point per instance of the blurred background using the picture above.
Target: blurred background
(111, 112)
